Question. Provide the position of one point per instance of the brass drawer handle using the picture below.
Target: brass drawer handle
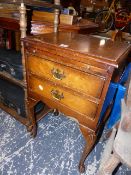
(57, 95)
(58, 74)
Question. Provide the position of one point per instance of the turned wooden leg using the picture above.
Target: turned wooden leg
(90, 141)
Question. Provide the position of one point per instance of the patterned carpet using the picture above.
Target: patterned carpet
(55, 151)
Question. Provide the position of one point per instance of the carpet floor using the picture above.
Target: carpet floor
(55, 151)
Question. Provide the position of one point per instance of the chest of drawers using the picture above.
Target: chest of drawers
(71, 73)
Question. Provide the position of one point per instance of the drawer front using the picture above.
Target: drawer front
(44, 88)
(86, 83)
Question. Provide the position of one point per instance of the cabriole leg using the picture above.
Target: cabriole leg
(90, 141)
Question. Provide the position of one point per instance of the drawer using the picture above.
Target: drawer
(86, 83)
(47, 89)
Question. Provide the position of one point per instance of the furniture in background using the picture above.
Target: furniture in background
(8, 77)
(13, 91)
(42, 22)
(49, 17)
(71, 73)
(9, 23)
(34, 3)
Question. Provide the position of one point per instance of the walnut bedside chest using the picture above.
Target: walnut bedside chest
(71, 73)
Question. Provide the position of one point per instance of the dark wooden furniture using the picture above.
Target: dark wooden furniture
(9, 23)
(83, 27)
(35, 3)
(15, 17)
(12, 24)
(71, 73)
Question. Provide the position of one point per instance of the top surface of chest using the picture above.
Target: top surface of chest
(89, 47)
